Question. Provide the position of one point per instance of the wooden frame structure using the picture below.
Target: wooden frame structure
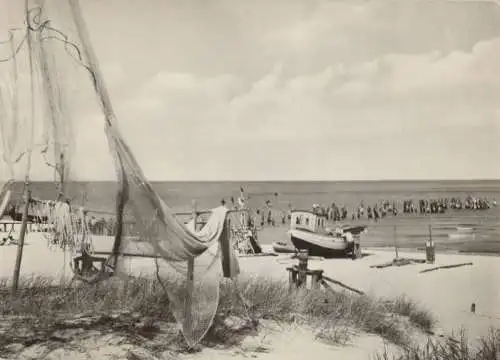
(298, 276)
(85, 269)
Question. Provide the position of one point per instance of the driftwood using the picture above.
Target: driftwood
(399, 262)
(319, 258)
(257, 255)
(445, 267)
(343, 285)
(326, 286)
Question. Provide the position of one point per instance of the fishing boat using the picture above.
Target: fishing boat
(308, 232)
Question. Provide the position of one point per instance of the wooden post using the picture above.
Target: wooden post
(396, 242)
(433, 249)
(27, 193)
(292, 278)
(190, 282)
(430, 251)
(303, 259)
(226, 251)
(20, 245)
(317, 276)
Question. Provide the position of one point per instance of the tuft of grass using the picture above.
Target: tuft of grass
(333, 315)
(487, 348)
(418, 316)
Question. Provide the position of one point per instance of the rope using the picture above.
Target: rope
(17, 49)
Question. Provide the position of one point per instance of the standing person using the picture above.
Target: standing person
(242, 205)
(242, 200)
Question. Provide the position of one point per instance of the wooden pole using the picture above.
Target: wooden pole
(226, 253)
(303, 257)
(20, 245)
(343, 285)
(429, 247)
(396, 242)
(26, 191)
(190, 282)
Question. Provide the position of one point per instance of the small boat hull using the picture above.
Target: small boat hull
(465, 229)
(323, 245)
(284, 248)
(461, 236)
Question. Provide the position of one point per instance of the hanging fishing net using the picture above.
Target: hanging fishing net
(192, 259)
(177, 244)
(10, 145)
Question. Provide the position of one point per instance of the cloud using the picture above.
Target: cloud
(181, 125)
(322, 89)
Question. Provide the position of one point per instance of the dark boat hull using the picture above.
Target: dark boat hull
(317, 250)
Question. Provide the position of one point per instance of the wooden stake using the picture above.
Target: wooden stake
(190, 282)
(302, 267)
(20, 245)
(431, 247)
(396, 242)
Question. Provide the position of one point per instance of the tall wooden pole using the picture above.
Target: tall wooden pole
(190, 282)
(396, 242)
(26, 191)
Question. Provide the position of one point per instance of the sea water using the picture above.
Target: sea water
(405, 230)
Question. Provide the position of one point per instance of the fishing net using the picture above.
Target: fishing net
(193, 269)
(192, 260)
(9, 123)
(35, 127)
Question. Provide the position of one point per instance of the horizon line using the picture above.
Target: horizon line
(279, 180)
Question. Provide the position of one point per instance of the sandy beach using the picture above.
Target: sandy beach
(448, 293)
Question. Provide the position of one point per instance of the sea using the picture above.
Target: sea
(409, 231)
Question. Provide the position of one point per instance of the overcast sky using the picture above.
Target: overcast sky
(292, 90)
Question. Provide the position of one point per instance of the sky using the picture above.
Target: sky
(287, 89)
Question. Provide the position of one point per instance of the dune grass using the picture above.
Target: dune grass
(331, 314)
(487, 348)
(417, 315)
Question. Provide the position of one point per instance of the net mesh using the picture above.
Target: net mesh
(9, 123)
(192, 260)
(194, 292)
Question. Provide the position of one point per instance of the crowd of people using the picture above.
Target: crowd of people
(266, 215)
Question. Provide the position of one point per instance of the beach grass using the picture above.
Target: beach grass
(417, 314)
(487, 348)
(333, 316)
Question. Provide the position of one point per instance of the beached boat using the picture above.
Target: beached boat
(308, 232)
(282, 247)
